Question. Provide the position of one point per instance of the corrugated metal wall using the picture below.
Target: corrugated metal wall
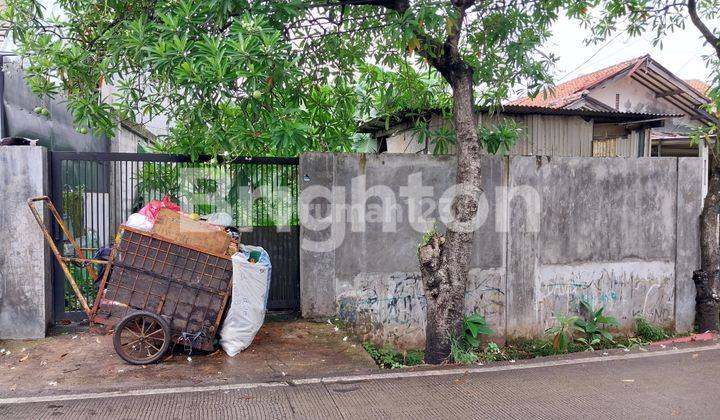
(605, 148)
(550, 135)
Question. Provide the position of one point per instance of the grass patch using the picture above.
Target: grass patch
(388, 357)
(648, 331)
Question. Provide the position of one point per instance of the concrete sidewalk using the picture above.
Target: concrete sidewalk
(678, 383)
(82, 361)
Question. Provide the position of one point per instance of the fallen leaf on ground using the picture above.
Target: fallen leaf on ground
(63, 355)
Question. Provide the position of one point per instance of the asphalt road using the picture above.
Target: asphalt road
(674, 384)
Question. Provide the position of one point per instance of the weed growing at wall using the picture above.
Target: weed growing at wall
(591, 326)
(388, 357)
(648, 331)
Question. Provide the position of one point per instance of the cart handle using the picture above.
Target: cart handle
(56, 251)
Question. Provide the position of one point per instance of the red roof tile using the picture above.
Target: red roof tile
(567, 92)
(698, 85)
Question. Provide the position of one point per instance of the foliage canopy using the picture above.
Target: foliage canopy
(272, 77)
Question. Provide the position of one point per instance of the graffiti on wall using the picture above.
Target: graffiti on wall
(626, 289)
(391, 307)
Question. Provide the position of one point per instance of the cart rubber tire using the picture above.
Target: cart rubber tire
(146, 331)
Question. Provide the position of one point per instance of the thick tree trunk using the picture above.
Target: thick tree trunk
(444, 262)
(708, 279)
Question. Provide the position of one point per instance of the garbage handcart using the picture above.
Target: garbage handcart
(154, 292)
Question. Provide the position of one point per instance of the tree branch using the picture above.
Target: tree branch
(400, 6)
(704, 30)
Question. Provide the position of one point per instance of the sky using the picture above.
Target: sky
(681, 53)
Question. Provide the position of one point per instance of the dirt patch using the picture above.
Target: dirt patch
(80, 360)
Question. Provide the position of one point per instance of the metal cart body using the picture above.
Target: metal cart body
(154, 292)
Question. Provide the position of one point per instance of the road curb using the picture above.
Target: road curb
(360, 378)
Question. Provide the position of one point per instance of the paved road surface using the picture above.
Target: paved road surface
(680, 384)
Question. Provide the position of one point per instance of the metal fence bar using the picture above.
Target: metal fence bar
(104, 188)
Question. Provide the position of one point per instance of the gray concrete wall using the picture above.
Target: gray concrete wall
(25, 274)
(619, 232)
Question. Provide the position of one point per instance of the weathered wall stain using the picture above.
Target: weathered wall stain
(626, 289)
(391, 307)
(619, 232)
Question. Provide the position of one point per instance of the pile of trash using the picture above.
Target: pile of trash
(214, 234)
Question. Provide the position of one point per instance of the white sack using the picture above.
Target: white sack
(139, 221)
(220, 219)
(247, 309)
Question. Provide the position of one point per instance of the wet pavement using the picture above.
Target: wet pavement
(77, 359)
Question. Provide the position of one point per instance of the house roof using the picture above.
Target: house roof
(698, 85)
(570, 91)
(379, 124)
(644, 70)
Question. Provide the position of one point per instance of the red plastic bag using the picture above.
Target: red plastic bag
(152, 209)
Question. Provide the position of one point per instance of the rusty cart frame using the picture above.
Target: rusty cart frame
(154, 292)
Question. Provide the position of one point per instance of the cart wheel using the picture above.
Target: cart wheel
(141, 338)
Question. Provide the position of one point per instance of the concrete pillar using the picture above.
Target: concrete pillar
(25, 259)
(692, 179)
(317, 269)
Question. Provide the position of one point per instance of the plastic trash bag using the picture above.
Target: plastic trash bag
(139, 221)
(220, 219)
(251, 285)
(152, 208)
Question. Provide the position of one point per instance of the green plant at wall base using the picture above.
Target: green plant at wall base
(473, 326)
(562, 333)
(648, 331)
(388, 357)
(631, 343)
(492, 352)
(593, 325)
(460, 353)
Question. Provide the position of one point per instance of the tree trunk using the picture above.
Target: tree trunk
(444, 261)
(707, 278)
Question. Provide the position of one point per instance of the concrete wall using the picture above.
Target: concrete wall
(619, 232)
(25, 275)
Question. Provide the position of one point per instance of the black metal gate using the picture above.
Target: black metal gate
(96, 192)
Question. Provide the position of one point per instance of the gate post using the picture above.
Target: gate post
(25, 260)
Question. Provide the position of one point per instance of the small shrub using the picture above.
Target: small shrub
(631, 343)
(562, 333)
(388, 357)
(594, 326)
(461, 353)
(648, 331)
(474, 326)
(492, 352)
